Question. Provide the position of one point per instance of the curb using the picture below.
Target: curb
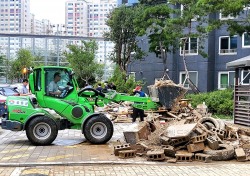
(78, 163)
(86, 163)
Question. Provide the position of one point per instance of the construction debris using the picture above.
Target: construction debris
(188, 135)
(177, 132)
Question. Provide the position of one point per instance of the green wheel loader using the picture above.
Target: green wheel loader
(74, 106)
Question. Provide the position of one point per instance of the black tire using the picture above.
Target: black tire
(98, 129)
(225, 152)
(41, 130)
(211, 120)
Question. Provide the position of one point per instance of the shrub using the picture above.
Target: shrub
(218, 102)
(123, 85)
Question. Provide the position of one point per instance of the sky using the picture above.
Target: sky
(53, 10)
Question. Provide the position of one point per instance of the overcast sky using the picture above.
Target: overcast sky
(53, 10)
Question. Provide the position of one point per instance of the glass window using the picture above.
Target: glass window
(191, 46)
(37, 75)
(193, 75)
(60, 83)
(246, 40)
(228, 45)
(226, 17)
(245, 76)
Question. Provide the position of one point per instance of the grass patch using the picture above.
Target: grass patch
(222, 116)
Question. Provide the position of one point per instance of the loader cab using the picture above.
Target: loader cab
(45, 81)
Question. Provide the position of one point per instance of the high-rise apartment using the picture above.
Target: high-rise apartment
(88, 18)
(98, 11)
(76, 17)
(15, 16)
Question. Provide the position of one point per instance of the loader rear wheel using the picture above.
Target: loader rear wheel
(41, 130)
(98, 129)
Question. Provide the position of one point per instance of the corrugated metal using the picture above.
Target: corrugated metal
(242, 105)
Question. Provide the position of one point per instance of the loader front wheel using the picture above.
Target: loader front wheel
(98, 129)
(41, 130)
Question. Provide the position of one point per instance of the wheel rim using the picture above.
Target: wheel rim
(42, 130)
(98, 130)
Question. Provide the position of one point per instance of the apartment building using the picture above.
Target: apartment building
(14, 18)
(76, 17)
(206, 73)
(87, 18)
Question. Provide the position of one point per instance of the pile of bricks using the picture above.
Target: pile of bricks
(205, 141)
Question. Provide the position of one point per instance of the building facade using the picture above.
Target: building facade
(206, 73)
(87, 18)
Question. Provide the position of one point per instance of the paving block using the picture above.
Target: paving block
(198, 139)
(156, 155)
(196, 147)
(240, 154)
(164, 140)
(127, 154)
(184, 157)
(212, 142)
(220, 133)
(175, 142)
(169, 150)
(203, 157)
(120, 148)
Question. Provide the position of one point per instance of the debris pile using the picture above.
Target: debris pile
(179, 133)
(187, 135)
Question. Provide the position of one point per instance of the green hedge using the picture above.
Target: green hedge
(218, 102)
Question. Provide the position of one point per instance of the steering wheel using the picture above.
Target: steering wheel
(65, 91)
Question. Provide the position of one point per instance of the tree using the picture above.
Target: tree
(238, 9)
(122, 33)
(25, 59)
(169, 26)
(82, 60)
(123, 84)
(156, 22)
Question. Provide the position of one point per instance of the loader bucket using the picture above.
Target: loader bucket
(167, 95)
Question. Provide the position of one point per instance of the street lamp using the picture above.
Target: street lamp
(25, 71)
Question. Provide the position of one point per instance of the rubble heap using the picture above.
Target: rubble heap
(178, 132)
(187, 135)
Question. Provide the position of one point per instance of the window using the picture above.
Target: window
(245, 77)
(246, 40)
(223, 17)
(191, 46)
(37, 75)
(226, 79)
(64, 80)
(131, 75)
(228, 45)
(193, 75)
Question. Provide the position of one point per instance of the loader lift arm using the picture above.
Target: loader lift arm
(144, 103)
